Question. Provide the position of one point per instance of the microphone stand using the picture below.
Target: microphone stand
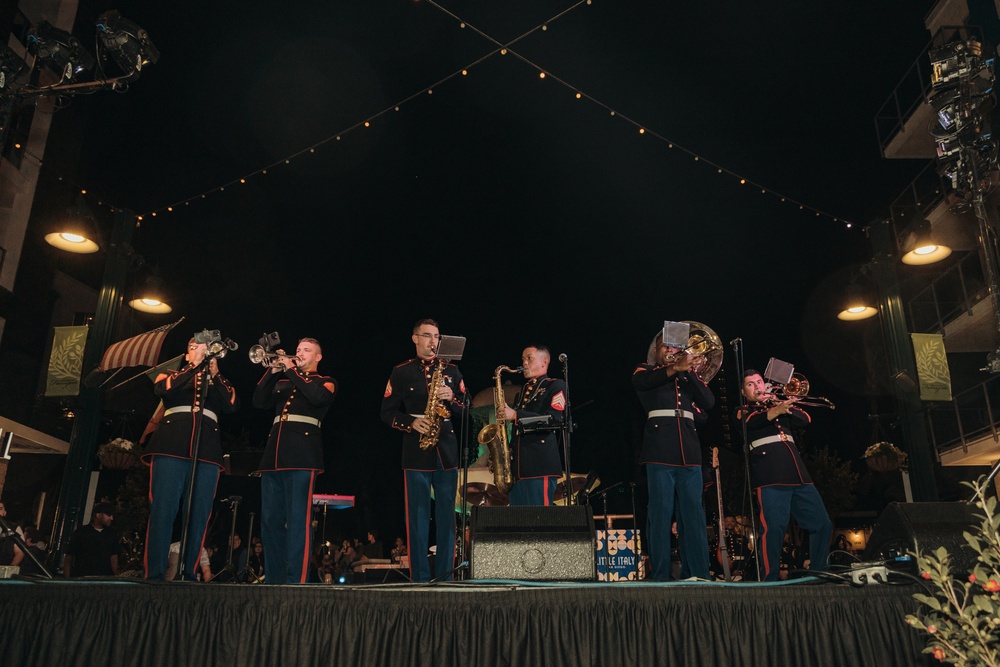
(635, 533)
(567, 429)
(7, 531)
(234, 505)
(607, 527)
(247, 573)
(738, 357)
(195, 443)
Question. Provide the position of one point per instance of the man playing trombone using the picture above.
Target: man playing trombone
(779, 477)
(674, 395)
(292, 458)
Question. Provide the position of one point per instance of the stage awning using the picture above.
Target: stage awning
(31, 441)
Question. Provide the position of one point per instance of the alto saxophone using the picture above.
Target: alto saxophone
(435, 412)
(494, 436)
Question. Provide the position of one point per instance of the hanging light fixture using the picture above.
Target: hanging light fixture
(925, 249)
(150, 297)
(857, 304)
(77, 233)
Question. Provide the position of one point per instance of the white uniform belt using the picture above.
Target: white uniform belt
(425, 416)
(686, 414)
(296, 418)
(187, 408)
(760, 442)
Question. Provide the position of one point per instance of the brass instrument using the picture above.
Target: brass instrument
(259, 355)
(797, 388)
(436, 411)
(703, 342)
(495, 437)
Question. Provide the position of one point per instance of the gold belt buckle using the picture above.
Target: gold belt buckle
(784, 438)
(284, 417)
(195, 409)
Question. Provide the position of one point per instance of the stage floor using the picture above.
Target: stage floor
(474, 623)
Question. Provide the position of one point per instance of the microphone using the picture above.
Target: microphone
(734, 342)
(563, 358)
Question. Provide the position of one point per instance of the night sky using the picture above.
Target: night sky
(501, 205)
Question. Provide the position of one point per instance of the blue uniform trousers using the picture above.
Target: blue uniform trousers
(285, 518)
(676, 488)
(168, 484)
(418, 514)
(534, 491)
(803, 502)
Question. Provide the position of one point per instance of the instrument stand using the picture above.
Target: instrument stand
(195, 443)
(738, 356)
(567, 430)
(6, 530)
(234, 506)
(461, 571)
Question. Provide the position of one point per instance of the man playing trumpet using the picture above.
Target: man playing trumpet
(779, 477)
(674, 396)
(292, 458)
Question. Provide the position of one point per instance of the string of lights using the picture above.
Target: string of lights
(502, 49)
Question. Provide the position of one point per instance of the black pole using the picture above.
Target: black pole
(86, 426)
(567, 429)
(198, 417)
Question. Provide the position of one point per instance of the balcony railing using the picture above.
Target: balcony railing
(948, 296)
(917, 200)
(914, 88)
(970, 416)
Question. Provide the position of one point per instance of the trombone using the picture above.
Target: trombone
(797, 388)
(259, 355)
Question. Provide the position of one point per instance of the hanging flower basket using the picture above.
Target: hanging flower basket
(885, 457)
(118, 454)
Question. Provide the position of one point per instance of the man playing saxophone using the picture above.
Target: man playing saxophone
(536, 465)
(412, 402)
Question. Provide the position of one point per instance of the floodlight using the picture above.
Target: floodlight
(925, 249)
(60, 51)
(129, 45)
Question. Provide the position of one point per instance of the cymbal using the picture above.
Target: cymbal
(481, 493)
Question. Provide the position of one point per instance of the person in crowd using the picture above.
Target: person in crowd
(94, 548)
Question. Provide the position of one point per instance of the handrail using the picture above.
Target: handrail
(969, 417)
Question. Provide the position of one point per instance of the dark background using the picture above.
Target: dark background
(501, 205)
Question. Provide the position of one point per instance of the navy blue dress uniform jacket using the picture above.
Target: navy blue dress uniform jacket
(174, 436)
(671, 440)
(537, 454)
(294, 445)
(405, 396)
(777, 462)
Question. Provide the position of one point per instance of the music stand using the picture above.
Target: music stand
(451, 348)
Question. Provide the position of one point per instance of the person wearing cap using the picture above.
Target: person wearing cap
(674, 398)
(196, 394)
(779, 477)
(94, 548)
(292, 458)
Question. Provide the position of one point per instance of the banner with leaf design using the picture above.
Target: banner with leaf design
(932, 367)
(66, 361)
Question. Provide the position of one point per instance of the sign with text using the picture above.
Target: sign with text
(617, 557)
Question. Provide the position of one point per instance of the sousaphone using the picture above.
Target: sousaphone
(701, 341)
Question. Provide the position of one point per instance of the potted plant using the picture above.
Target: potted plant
(885, 457)
(118, 454)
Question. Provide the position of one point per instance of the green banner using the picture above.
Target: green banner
(66, 361)
(932, 367)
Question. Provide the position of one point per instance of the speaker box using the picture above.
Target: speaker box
(533, 543)
(907, 528)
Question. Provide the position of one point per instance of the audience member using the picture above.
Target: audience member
(94, 548)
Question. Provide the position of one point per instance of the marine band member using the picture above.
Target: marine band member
(292, 458)
(536, 464)
(674, 396)
(403, 405)
(169, 454)
(779, 477)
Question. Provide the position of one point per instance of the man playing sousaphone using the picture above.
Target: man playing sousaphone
(674, 395)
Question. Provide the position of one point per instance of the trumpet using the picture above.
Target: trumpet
(259, 355)
(797, 388)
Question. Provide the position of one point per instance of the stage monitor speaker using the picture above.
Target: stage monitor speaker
(906, 528)
(533, 543)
